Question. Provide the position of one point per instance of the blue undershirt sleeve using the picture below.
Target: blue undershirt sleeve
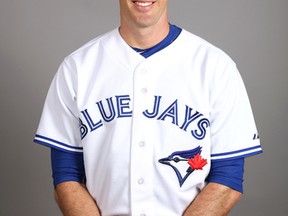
(67, 166)
(228, 172)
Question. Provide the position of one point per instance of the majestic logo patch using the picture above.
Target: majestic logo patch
(192, 157)
(256, 136)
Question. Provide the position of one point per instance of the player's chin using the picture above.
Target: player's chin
(145, 22)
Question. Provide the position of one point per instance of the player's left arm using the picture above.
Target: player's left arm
(214, 200)
(224, 189)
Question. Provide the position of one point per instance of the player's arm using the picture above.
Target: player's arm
(71, 194)
(225, 187)
(74, 200)
(214, 200)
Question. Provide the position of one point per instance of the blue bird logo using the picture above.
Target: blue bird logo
(186, 156)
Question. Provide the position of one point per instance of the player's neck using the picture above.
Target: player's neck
(144, 37)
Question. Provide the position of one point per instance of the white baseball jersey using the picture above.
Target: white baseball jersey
(148, 127)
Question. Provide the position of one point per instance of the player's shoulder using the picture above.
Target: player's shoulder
(198, 44)
(188, 37)
(93, 45)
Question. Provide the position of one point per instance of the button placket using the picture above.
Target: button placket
(140, 155)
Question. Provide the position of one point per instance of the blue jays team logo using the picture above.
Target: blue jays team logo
(191, 157)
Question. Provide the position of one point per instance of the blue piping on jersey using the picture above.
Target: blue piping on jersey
(49, 142)
(235, 152)
(214, 156)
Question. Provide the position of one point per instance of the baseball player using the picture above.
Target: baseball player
(147, 119)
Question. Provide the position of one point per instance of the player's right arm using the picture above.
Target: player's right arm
(71, 194)
(74, 200)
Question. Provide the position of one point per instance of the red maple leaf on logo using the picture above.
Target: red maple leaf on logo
(197, 163)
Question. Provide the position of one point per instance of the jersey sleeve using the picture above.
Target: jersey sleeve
(233, 129)
(59, 123)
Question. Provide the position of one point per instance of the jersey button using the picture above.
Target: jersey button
(140, 181)
(144, 90)
(142, 144)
